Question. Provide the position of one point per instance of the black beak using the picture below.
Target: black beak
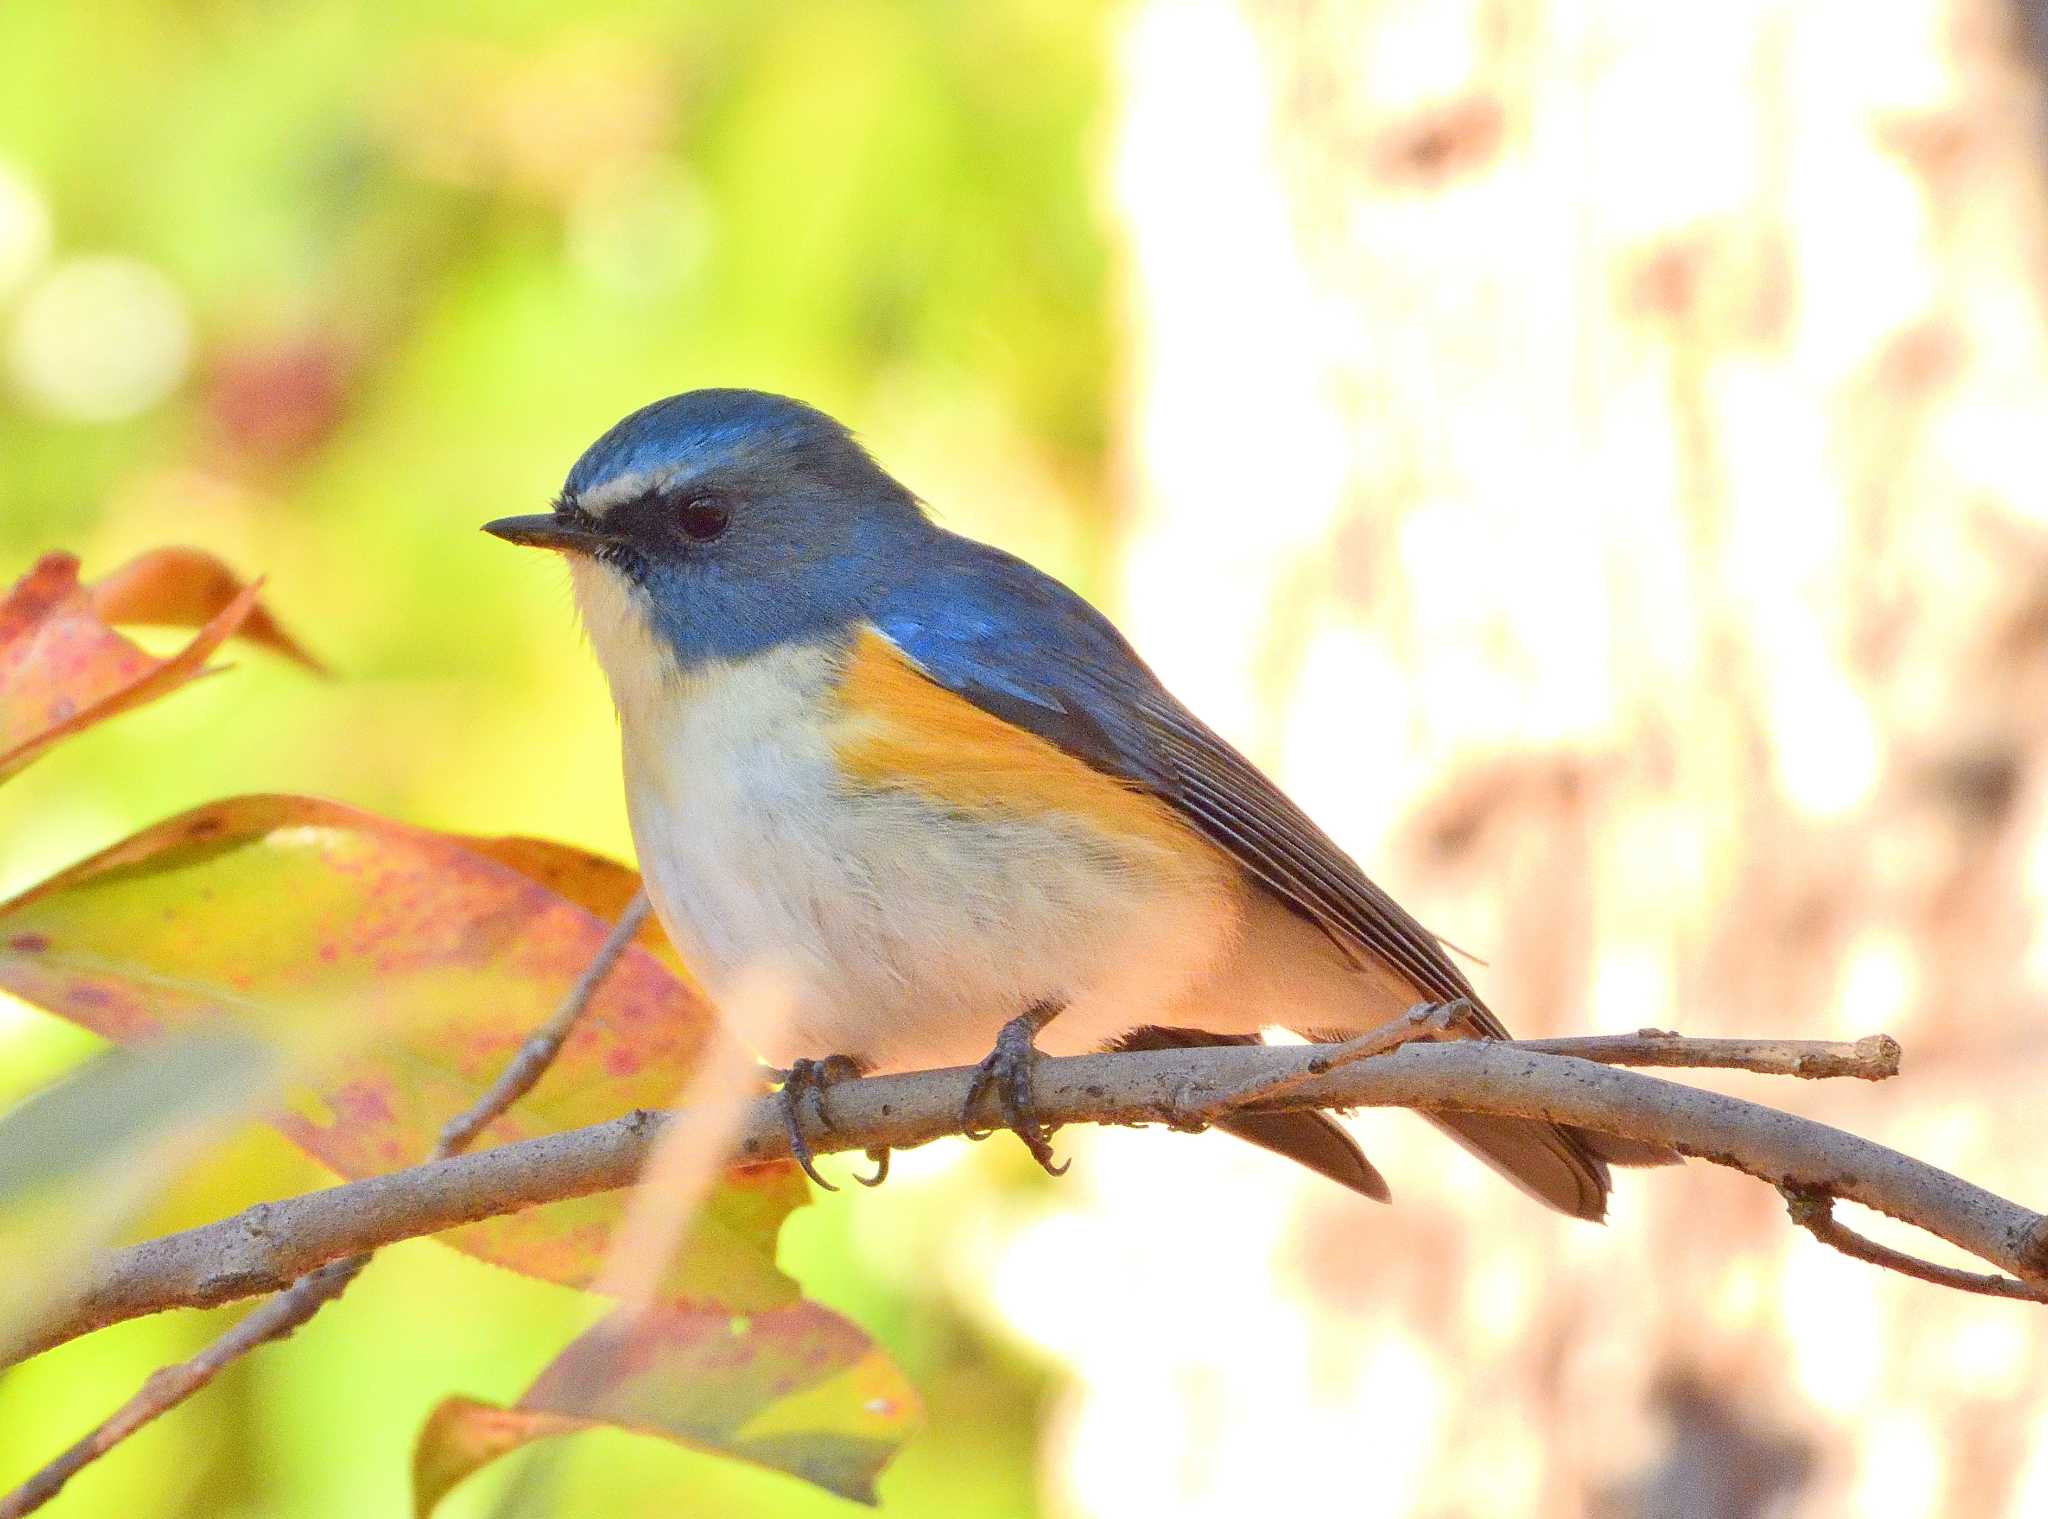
(547, 530)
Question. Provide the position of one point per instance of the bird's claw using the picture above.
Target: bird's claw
(814, 1078)
(1007, 1071)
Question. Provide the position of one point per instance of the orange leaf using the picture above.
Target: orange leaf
(186, 588)
(798, 1390)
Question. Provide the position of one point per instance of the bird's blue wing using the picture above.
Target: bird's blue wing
(1022, 646)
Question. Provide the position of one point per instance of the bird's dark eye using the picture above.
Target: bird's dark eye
(705, 518)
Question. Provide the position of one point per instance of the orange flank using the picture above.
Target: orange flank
(903, 729)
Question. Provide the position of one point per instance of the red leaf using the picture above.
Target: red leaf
(63, 669)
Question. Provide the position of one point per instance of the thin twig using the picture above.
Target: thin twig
(1875, 1057)
(1426, 1020)
(545, 1043)
(1814, 1211)
(283, 1314)
(264, 1247)
(171, 1385)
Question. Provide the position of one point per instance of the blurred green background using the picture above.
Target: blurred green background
(322, 288)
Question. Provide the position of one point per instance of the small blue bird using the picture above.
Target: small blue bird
(941, 793)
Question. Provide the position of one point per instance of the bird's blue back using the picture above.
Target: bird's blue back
(1020, 644)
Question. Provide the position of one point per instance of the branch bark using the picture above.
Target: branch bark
(266, 1247)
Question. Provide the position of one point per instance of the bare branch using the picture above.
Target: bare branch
(265, 1247)
(1815, 1213)
(1873, 1058)
(172, 1385)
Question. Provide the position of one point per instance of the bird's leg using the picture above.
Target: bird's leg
(814, 1078)
(1007, 1071)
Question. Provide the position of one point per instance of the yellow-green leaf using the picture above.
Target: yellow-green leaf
(408, 966)
(799, 1390)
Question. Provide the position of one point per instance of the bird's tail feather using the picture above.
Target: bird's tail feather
(1555, 1164)
(1315, 1140)
(1312, 1139)
(1563, 1167)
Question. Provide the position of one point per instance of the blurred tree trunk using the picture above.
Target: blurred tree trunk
(1597, 454)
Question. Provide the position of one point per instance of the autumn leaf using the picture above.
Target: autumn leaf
(187, 588)
(406, 966)
(600, 886)
(63, 668)
(798, 1390)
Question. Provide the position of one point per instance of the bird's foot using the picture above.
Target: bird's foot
(813, 1078)
(1007, 1071)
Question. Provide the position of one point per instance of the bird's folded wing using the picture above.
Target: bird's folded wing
(1025, 648)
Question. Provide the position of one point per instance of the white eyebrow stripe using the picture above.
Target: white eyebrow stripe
(620, 489)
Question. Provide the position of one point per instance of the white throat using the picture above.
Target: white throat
(641, 667)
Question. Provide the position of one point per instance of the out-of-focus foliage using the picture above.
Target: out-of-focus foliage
(320, 289)
(798, 1389)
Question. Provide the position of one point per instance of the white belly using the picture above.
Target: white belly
(906, 933)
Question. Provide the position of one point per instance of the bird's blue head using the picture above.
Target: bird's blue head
(721, 523)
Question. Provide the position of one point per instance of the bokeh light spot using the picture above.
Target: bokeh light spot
(24, 230)
(98, 339)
